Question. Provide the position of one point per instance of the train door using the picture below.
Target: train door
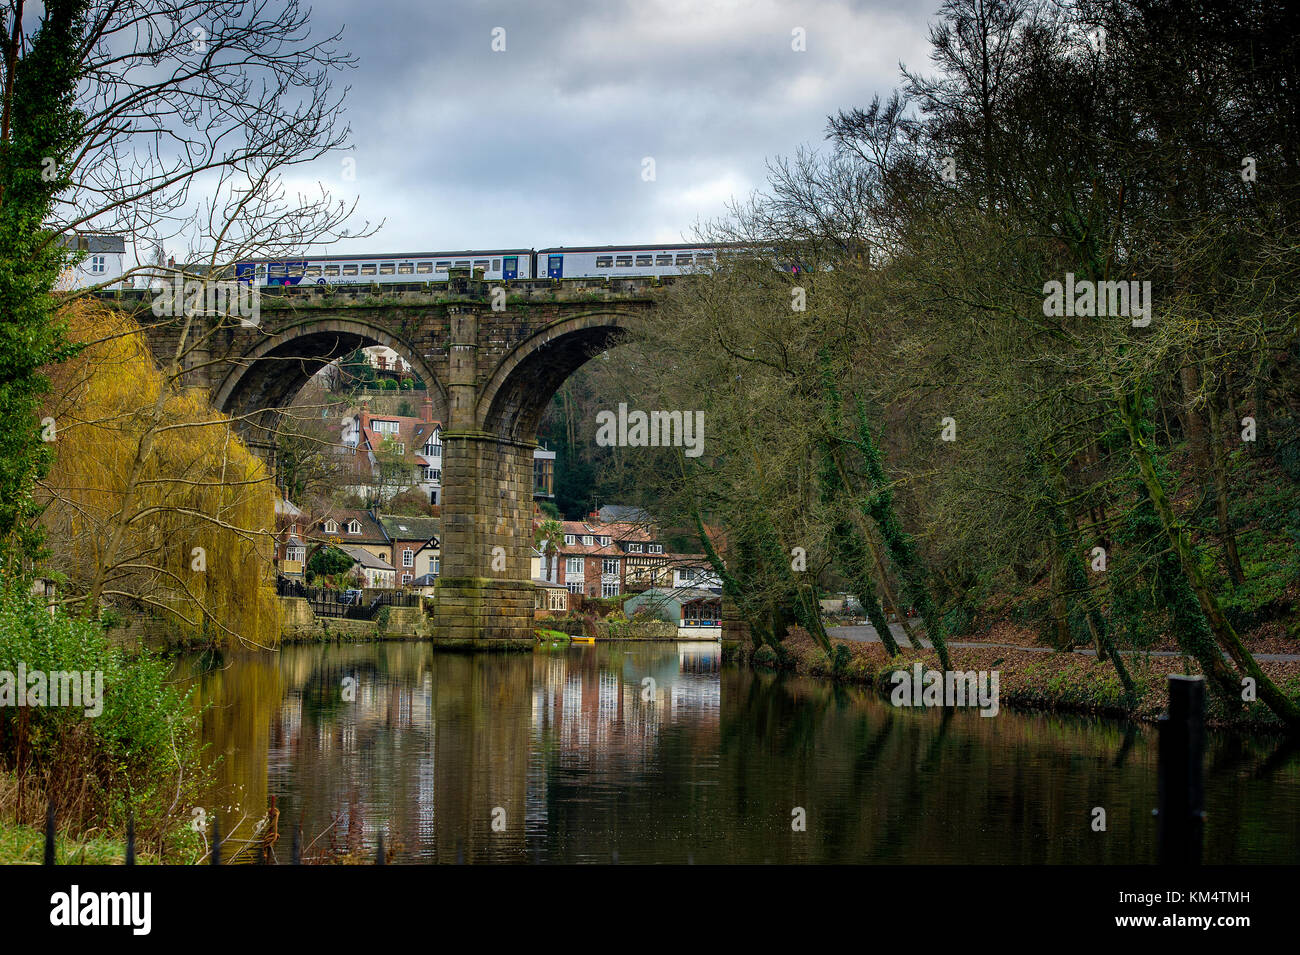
(509, 267)
(555, 266)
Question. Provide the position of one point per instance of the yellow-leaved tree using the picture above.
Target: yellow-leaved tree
(154, 505)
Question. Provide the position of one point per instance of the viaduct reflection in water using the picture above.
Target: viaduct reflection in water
(655, 753)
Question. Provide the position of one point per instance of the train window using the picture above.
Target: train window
(406, 268)
(481, 264)
(663, 260)
(604, 261)
(424, 268)
(642, 260)
(349, 270)
(331, 270)
(624, 261)
(703, 258)
(312, 272)
(683, 258)
(386, 268)
(496, 265)
(368, 269)
(462, 263)
(441, 266)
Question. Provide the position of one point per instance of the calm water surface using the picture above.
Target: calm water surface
(576, 766)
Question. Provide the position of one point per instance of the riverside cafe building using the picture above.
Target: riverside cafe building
(698, 613)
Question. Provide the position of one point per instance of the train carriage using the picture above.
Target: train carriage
(495, 265)
(617, 261)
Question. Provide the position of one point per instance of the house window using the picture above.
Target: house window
(408, 557)
(407, 578)
(557, 600)
(656, 548)
(569, 538)
(604, 542)
(609, 565)
(331, 527)
(573, 567)
(293, 553)
(97, 263)
(634, 548)
(688, 573)
(574, 586)
(609, 589)
(354, 527)
(588, 540)
(432, 474)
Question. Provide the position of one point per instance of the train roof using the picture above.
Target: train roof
(375, 256)
(637, 248)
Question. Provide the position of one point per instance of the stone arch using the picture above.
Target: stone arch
(515, 396)
(268, 376)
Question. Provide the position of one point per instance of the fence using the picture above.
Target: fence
(262, 851)
(357, 605)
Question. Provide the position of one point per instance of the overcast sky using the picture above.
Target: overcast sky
(458, 146)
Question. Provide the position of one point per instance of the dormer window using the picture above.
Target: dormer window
(656, 548)
(634, 548)
(354, 527)
(331, 527)
(604, 542)
(588, 540)
(570, 539)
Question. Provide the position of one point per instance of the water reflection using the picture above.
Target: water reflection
(656, 753)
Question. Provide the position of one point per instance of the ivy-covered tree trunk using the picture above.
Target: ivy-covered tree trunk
(40, 134)
(1190, 559)
(851, 552)
(879, 506)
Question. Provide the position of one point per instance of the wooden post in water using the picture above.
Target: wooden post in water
(130, 838)
(379, 852)
(1181, 814)
(214, 858)
(295, 853)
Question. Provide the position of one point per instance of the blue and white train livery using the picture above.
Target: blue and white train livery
(494, 264)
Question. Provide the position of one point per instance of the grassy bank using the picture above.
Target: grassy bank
(25, 845)
(1028, 679)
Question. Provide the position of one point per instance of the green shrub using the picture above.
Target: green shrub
(138, 753)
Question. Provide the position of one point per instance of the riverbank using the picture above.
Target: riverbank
(25, 845)
(1028, 679)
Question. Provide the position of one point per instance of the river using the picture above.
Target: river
(646, 753)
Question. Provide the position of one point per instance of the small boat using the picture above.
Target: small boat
(582, 639)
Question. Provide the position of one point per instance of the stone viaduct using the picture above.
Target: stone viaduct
(490, 371)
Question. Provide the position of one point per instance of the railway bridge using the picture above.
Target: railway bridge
(491, 356)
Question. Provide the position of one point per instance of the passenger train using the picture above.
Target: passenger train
(496, 264)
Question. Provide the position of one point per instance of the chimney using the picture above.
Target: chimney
(426, 408)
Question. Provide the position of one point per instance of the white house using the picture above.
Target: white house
(103, 261)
